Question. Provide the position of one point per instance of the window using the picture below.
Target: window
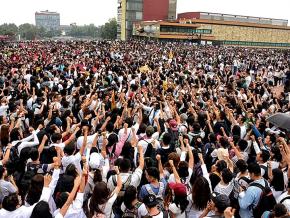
(139, 15)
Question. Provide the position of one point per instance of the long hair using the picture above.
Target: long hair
(200, 193)
(100, 196)
(278, 180)
(181, 202)
(4, 135)
(41, 209)
(35, 189)
(129, 196)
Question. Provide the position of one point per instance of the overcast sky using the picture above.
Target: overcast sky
(99, 11)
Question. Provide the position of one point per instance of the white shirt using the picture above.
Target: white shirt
(23, 211)
(72, 159)
(90, 140)
(26, 142)
(135, 179)
(3, 110)
(146, 141)
(129, 131)
(285, 202)
(176, 211)
(75, 209)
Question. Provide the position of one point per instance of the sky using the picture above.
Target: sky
(99, 11)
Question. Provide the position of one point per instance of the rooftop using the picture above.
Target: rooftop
(47, 12)
(236, 18)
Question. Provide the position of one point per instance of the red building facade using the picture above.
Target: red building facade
(155, 10)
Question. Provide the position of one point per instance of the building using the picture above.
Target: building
(220, 29)
(47, 19)
(131, 11)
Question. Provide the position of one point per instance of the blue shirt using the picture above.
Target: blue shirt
(144, 192)
(250, 199)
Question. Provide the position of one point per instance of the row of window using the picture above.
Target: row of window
(184, 30)
(266, 44)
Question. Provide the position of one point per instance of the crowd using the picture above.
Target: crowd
(142, 129)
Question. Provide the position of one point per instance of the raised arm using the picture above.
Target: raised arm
(160, 167)
(82, 149)
(176, 176)
(71, 196)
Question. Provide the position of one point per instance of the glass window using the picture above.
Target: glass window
(139, 15)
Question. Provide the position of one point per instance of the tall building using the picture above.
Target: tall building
(47, 19)
(131, 11)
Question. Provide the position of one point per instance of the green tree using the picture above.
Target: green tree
(8, 29)
(109, 29)
(83, 31)
(29, 31)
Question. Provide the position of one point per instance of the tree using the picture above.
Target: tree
(29, 31)
(83, 31)
(8, 29)
(109, 29)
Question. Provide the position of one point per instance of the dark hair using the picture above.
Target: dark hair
(183, 169)
(14, 134)
(10, 202)
(129, 196)
(181, 202)
(224, 142)
(55, 137)
(97, 176)
(125, 165)
(110, 127)
(128, 151)
(220, 165)
(227, 175)
(34, 154)
(255, 169)
(280, 210)
(278, 180)
(242, 165)
(153, 172)
(243, 144)
(69, 149)
(42, 210)
(166, 138)
(60, 199)
(71, 170)
(100, 196)
(200, 193)
(265, 155)
(277, 154)
(4, 134)
(35, 189)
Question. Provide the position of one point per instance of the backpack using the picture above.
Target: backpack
(159, 196)
(284, 199)
(124, 185)
(120, 198)
(132, 213)
(266, 171)
(186, 184)
(174, 137)
(266, 201)
(244, 180)
(14, 161)
(234, 195)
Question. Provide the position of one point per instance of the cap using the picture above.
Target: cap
(150, 200)
(173, 125)
(221, 201)
(94, 161)
(179, 189)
